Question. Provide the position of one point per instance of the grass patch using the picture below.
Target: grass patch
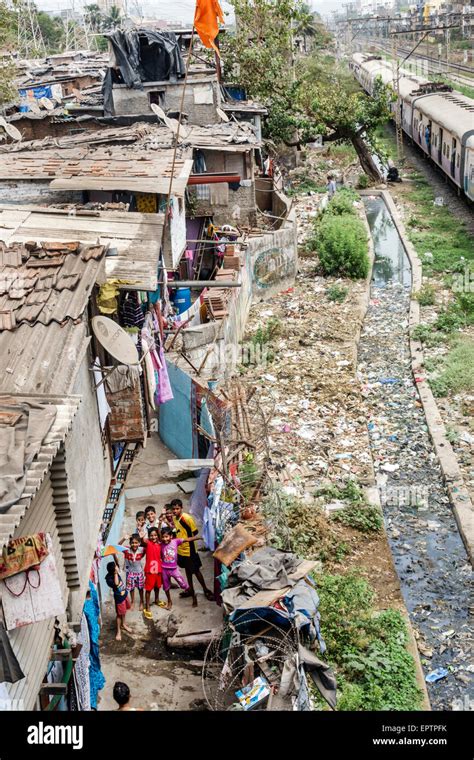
(455, 370)
(306, 186)
(426, 296)
(366, 648)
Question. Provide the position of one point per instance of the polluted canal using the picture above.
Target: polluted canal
(428, 551)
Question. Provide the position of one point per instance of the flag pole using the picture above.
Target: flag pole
(176, 139)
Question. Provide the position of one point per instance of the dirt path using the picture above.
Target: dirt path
(159, 678)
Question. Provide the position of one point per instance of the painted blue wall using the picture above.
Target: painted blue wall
(175, 417)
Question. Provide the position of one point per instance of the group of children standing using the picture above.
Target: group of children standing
(165, 544)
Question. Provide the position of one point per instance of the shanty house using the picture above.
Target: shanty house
(58, 419)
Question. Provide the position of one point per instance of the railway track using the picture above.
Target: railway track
(434, 69)
(436, 63)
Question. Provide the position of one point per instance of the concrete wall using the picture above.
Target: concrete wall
(273, 259)
(269, 265)
(175, 417)
(88, 471)
(35, 192)
(200, 101)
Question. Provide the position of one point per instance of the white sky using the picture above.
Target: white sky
(175, 10)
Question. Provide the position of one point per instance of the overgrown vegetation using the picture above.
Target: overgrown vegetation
(340, 238)
(455, 371)
(426, 295)
(358, 513)
(306, 96)
(368, 649)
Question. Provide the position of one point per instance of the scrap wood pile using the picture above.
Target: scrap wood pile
(217, 300)
(265, 657)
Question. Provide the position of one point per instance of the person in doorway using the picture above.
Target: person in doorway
(153, 574)
(331, 186)
(188, 557)
(169, 562)
(122, 697)
(141, 525)
(121, 599)
(134, 574)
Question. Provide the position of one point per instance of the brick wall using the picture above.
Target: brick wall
(126, 421)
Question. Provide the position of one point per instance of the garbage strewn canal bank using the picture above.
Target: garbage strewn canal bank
(428, 551)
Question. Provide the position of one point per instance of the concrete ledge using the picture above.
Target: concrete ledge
(458, 494)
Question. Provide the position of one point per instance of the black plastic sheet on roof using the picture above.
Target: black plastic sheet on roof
(142, 55)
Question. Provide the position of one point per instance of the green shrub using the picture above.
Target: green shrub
(342, 246)
(363, 181)
(342, 202)
(336, 293)
(364, 517)
(374, 670)
(426, 295)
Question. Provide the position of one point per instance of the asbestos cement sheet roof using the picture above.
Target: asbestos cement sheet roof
(66, 408)
(134, 239)
(42, 359)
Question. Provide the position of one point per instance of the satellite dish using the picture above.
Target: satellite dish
(222, 115)
(172, 124)
(12, 131)
(46, 103)
(115, 340)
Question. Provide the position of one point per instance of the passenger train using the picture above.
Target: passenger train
(438, 119)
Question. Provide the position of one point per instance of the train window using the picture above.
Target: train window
(458, 161)
(447, 151)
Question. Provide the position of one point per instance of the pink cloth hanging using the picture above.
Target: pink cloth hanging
(163, 390)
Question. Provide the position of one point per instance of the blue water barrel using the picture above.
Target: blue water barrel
(181, 299)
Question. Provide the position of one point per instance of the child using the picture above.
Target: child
(153, 578)
(151, 520)
(169, 563)
(167, 519)
(135, 577)
(122, 602)
(141, 525)
(331, 186)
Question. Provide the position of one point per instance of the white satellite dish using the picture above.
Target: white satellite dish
(115, 340)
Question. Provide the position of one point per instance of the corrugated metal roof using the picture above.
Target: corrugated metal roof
(66, 408)
(42, 358)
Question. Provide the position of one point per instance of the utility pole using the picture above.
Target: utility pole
(30, 38)
(396, 86)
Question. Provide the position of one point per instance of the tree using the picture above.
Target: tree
(94, 17)
(260, 53)
(114, 18)
(305, 97)
(52, 31)
(8, 42)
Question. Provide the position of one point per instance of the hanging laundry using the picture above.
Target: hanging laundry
(164, 392)
(34, 595)
(131, 311)
(92, 613)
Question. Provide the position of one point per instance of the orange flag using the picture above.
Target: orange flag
(206, 17)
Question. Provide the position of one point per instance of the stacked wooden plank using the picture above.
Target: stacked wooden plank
(217, 299)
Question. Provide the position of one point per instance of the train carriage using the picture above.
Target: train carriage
(439, 120)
